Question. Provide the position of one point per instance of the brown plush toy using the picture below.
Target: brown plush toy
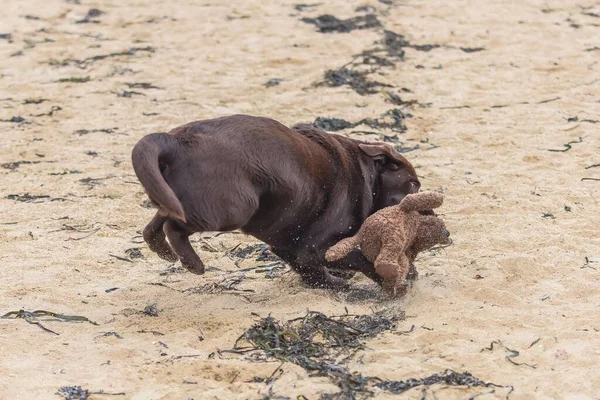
(392, 237)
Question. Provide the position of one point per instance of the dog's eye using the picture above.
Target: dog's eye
(392, 166)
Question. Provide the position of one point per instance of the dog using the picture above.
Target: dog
(299, 190)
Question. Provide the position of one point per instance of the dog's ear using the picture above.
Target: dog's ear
(381, 150)
(377, 151)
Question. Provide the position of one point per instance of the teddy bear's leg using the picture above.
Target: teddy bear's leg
(397, 286)
(386, 263)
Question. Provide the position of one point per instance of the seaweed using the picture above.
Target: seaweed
(90, 17)
(322, 345)
(173, 269)
(272, 82)
(17, 119)
(594, 13)
(328, 23)
(472, 49)
(91, 230)
(567, 146)
(34, 101)
(29, 198)
(31, 317)
(129, 93)
(134, 252)
(150, 310)
(49, 113)
(120, 258)
(399, 146)
(107, 334)
(65, 172)
(396, 124)
(394, 44)
(386, 53)
(82, 79)
(510, 357)
(29, 44)
(73, 393)
(141, 85)
(392, 120)
(357, 80)
(13, 166)
(259, 251)
(84, 63)
(448, 377)
(332, 124)
(302, 6)
(82, 132)
(78, 393)
(225, 285)
(314, 337)
(547, 100)
(315, 342)
(93, 182)
(397, 100)
(129, 52)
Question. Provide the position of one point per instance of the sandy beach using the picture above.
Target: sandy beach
(496, 103)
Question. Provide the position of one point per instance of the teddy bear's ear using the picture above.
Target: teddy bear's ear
(421, 201)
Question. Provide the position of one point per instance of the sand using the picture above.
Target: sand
(524, 268)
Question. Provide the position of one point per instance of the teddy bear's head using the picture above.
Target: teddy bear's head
(431, 231)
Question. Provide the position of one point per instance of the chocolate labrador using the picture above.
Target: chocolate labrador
(299, 190)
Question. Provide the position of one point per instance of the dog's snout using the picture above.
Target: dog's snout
(447, 233)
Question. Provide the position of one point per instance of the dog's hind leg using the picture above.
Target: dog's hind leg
(179, 240)
(154, 236)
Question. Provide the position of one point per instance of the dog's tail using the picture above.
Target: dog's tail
(422, 201)
(147, 155)
(342, 248)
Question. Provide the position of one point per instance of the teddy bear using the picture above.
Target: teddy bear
(392, 237)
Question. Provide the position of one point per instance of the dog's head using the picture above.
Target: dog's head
(396, 177)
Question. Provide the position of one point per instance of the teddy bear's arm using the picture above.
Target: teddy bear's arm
(341, 248)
